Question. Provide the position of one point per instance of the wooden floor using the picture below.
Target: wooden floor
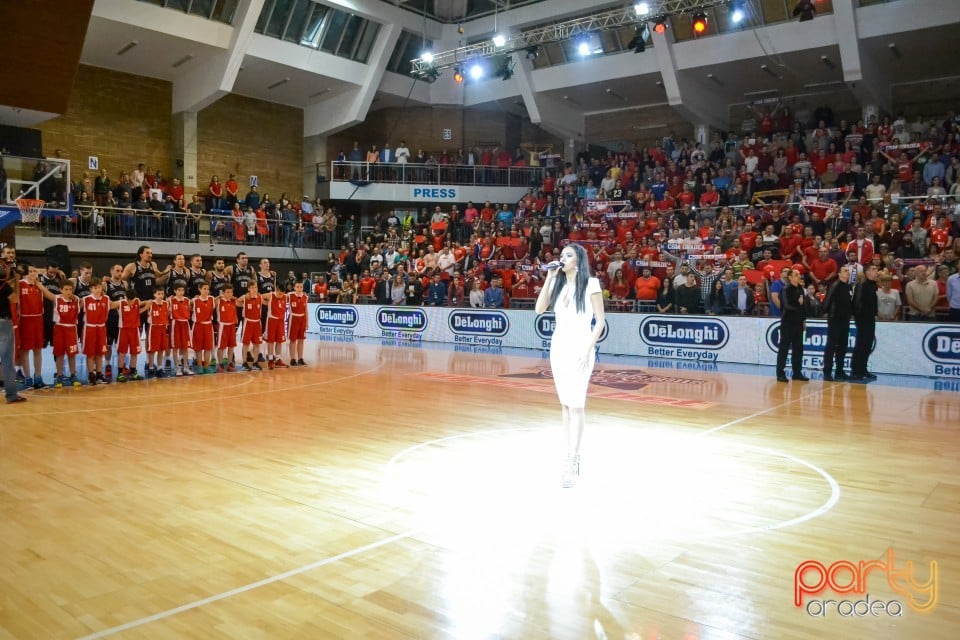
(401, 492)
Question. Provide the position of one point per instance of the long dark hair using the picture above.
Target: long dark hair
(583, 275)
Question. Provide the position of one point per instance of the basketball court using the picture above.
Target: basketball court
(392, 490)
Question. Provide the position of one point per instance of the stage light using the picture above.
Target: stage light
(476, 71)
(583, 48)
(660, 25)
(499, 40)
(737, 14)
(503, 66)
(642, 8)
(639, 41)
(532, 52)
(699, 22)
(427, 57)
(457, 75)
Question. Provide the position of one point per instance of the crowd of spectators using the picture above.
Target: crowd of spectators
(680, 227)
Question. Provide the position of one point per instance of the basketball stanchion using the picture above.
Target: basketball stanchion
(30, 210)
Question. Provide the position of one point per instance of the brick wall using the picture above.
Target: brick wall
(422, 127)
(247, 137)
(120, 118)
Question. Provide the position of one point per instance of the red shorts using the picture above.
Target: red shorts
(65, 340)
(31, 333)
(275, 332)
(180, 334)
(94, 340)
(227, 336)
(203, 336)
(298, 327)
(157, 338)
(128, 341)
(251, 332)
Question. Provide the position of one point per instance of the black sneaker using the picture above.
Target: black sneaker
(301, 362)
(245, 367)
(260, 358)
(101, 379)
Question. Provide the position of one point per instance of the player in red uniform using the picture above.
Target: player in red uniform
(128, 333)
(275, 335)
(95, 309)
(227, 329)
(66, 313)
(158, 319)
(298, 324)
(180, 310)
(203, 307)
(31, 328)
(251, 338)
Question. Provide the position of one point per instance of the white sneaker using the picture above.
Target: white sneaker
(179, 373)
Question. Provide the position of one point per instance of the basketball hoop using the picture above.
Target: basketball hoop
(30, 210)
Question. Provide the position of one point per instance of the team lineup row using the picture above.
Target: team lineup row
(88, 315)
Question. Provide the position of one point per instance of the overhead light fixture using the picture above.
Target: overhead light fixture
(319, 93)
(710, 76)
(611, 92)
(182, 61)
(768, 71)
(427, 57)
(737, 12)
(583, 48)
(660, 25)
(532, 52)
(278, 83)
(827, 61)
(499, 40)
(639, 41)
(457, 75)
(894, 50)
(699, 23)
(127, 47)
(642, 8)
(476, 71)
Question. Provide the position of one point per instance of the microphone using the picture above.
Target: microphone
(550, 266)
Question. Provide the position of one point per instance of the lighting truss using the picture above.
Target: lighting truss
(606, 20)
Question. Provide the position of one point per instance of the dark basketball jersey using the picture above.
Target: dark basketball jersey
(217, 283)
(177, 278)
(115, 291)
(241, 279)
(144, 280)
(197, 278)
(266, 283)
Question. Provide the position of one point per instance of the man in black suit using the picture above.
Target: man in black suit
(838, 305)
(865, 318)
(792, 324)
(741, 298)
(383, 291)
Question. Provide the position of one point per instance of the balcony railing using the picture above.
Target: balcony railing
(433, 173)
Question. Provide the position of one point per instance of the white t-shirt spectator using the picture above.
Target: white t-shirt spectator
(403, 154)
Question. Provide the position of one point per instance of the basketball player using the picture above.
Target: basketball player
(50, 279)
(276, 303)
(95, 309)
(218, 278)
(251, 302)
(241, 274)
(158, 339)
(66, 313)
(227, 329)
(197, 276)
(116, 290)
(143, 275)
(180, 312)
(203, 308)
(298, 324)
(128, 338)
(266, 283)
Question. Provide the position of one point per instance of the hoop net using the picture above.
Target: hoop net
(30, 210)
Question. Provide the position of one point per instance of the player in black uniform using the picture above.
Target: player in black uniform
(241, 274)
(50, 279)
(115, 289)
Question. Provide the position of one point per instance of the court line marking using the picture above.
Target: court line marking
(250, 587)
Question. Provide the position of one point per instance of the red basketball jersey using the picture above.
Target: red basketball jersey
(66, 311)
(278, 305)
(159, 314)
(95, 310)
(129, 316)
(31, 300)
(227, 311)
(203, 310)
(180, 309)
(298, 303)
(251, 307)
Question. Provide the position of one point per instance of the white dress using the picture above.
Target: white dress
(570, 339)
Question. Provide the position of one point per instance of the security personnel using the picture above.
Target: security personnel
(838, 306)
(865, 318)
(792, 324)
